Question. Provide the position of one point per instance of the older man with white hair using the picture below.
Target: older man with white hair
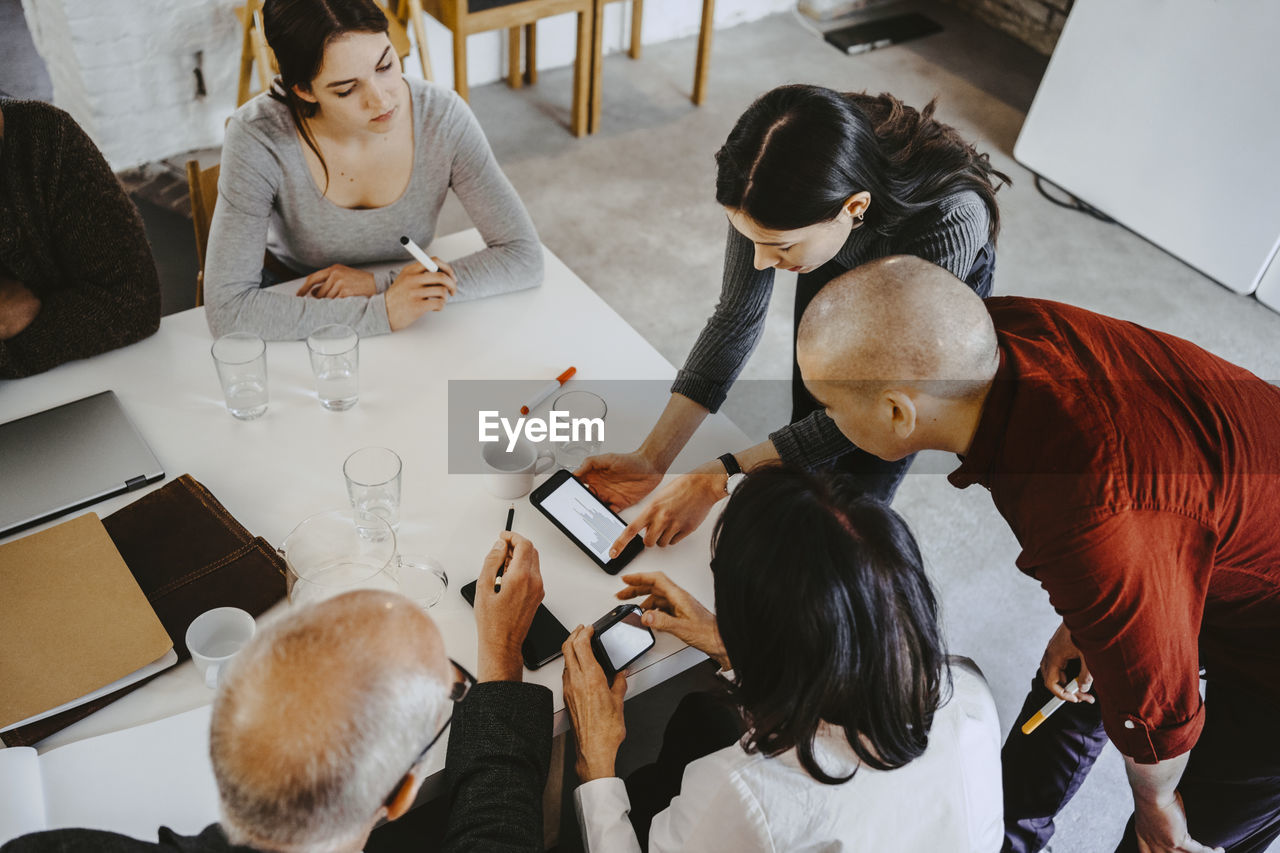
(323, 725)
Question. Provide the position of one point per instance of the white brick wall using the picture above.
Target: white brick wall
(125, 68)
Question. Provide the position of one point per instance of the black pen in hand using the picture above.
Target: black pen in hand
(497, 581)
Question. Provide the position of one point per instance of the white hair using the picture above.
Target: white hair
(319, 719)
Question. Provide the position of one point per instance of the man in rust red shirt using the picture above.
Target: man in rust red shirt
(1141, 476)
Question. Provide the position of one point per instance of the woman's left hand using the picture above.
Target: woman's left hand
(594, 707)
(338, 281)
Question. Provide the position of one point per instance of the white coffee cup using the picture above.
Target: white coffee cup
(510, 475)
(215, 637)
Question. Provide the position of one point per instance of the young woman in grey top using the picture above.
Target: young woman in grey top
(332, 166)
(815, 182)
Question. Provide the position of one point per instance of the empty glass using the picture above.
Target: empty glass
(241, 359)
(585, 427)
(373, 484)
(335, 361)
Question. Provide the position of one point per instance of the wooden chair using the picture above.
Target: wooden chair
(255, 52)
(202, 184)
(700, 72)
(512, 15)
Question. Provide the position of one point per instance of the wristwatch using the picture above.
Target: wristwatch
(734, 470)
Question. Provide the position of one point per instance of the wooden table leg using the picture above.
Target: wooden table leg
(582, 75)
(597, 67)
(514, 78)
(704, 52)
(531, 53)
(637, 16)
(553, 795)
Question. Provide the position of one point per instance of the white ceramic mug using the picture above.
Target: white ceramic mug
(215, 637)
(510, 475)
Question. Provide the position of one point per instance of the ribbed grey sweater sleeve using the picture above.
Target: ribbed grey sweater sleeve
(512, 257)
(731, 335)
(952, 243)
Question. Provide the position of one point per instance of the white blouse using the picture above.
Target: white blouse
(947, 799)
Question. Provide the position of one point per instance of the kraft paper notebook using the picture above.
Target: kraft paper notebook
(72, 619)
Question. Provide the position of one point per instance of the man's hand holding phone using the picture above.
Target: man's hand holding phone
(503, 618)
(670, 608)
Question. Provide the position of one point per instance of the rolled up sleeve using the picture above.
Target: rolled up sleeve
(1131, 588)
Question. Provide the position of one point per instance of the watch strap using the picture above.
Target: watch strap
(731, 465)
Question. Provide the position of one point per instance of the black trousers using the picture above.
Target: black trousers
(701, 724)
(1231, 787)
(876, 477)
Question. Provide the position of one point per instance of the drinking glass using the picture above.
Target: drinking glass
(335, 361)
(373, 483)
(586, 436)
(241, 359)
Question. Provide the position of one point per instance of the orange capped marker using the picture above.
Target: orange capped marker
(549, 389)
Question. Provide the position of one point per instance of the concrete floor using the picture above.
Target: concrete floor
(631, 210)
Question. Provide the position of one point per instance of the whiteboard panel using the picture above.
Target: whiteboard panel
(1165, 115)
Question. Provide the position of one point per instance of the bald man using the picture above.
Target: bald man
(1141, 476)
(323, 725)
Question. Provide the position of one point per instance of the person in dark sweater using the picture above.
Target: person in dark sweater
(322, 726)
(813, 182)
(1140, 475)
(76, 274)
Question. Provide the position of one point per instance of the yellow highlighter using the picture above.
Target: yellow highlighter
(1049, 707)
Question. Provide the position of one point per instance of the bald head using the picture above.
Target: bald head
(321, 715)
(898, 320)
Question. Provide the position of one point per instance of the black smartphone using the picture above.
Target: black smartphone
(619, 638)
(546, 634)
(582, 517)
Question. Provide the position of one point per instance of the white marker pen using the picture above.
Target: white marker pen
(419, 255)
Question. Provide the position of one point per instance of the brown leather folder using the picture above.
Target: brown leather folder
(188, 555)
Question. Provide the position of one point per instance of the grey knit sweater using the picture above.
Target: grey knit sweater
(733, 331)
(268, 199)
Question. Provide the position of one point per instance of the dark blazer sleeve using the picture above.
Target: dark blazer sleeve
(496, 768)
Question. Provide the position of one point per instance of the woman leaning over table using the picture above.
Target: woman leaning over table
(814, 182)
(860, 734)
(328, 169)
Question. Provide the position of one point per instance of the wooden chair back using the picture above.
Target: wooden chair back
(202, 184)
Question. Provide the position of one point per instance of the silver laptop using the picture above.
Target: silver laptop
(66, 458)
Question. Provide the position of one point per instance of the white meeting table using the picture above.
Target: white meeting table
(273, 472)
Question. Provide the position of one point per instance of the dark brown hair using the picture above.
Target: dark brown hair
(825, 610)
(799, 152)
(298, 32)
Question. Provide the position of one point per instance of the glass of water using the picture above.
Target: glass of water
(373, 484)
(335, 361)
(585, 427)
(241, 359)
